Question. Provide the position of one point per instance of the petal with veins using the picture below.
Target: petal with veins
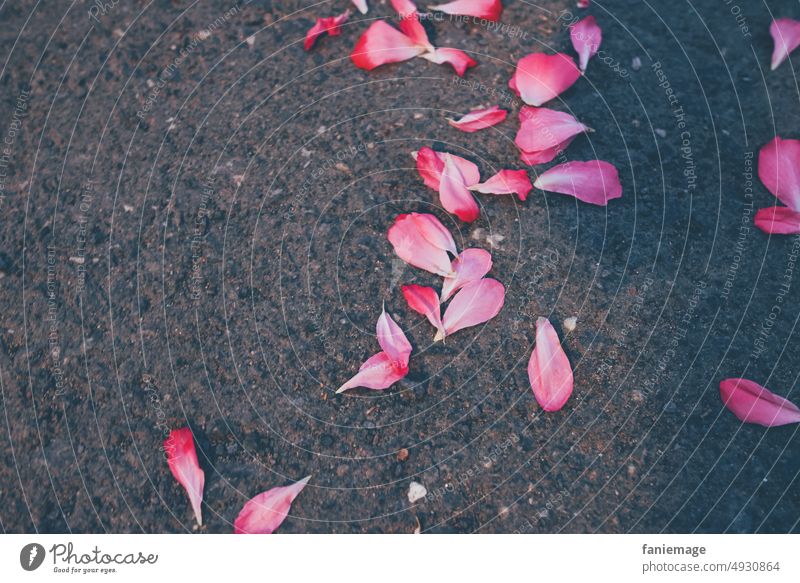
(470, 266)
(538, 77)
(544, 156)
(411, 244)
(182, 461)
(454, 194)
(752, 403)
(378, 372)
(459, 60)
(434, 231)
(392, 340)
(506, 182)
(381, 44)
(549, 370)
(479, 119)
(486, 9)
(330, 25)
(594, 181)
(778, 220)
(786, 38)
(474, 304)
(586, 37)
(541, 128)
(264, 513)
(425, 301)
(779, 170)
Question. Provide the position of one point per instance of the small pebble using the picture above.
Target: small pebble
(636, 63)
(402, 455)
(570, 323)
(661, 133)
(416, 491)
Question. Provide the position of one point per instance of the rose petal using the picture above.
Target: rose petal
(779, 170)
(330, 25)
(381, 44)
(752, 403)
(778, 220)
(425, 301)
(549, 370)
(479, 119)
(409, 237)
(544, 156)
(538, 78)
(470, 266)
(541, 128)
(454, 194)
(404, 7)
(413, 29)
(595, 181)
(361, 5)
(430, 165)
(182, 461)
(378, 372)
(486, 9)
(460, 60)
(506, 182)
(392, 340)
(786, 38)
(264, 513)
(434, 231)
(586, 37)
(474, 304)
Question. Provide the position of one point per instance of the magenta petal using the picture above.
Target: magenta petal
(410, 240)
(506, 182)
(182, 461)
(539, 78)
(752, 403)
(778, 220)
(434, 231)
(381, 44)
(454, 194)
(786, 38)
(404, 7)
(779, 170)
(595, 181)
(425, 301)
(430, 165)
(479, 119)
(586, 37)
(485, 9)
(546, 155)
(330, 25)
(392, 340)
(476, 303)
(459, 60)
(264, 513)
(378, 372)
(470, 266)
(549, 370)
(541, 128)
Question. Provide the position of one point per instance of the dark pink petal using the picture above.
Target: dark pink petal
(429, 166)
(541, 128)
(549, 370)
(410, 238)
(752, 403)
(393, 340)
(487, 9)
(539, 78)
(264, 513)
(361, 5)
(182, 460)
(586, 37)
(595, 181)
(479, 119)
(413, 29)
(404, 7)
(786, 37)
(778, 220)
(425, 301)
(583, 3)
(506, 182)
(544, 156)
(460, 60)
(779, 170)
(454, 194)
(470, 266)
(381, 44)
(474, 304)
(378, 372)
(331, 25)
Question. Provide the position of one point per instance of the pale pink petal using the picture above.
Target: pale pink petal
(595, 181)
(779, 170)
(264, 513)
(413, 29)
(470, 266)
(404, 7)
(434, 231)
(182, 461)
(381, 44)
(361, 5)
(586, 37)
(778, 220)
(479, 119)
(460, 60)
(425, 301)
(454, 194)
(541, 128)
(486, 9)
(549, 370)
(393, 340)
(506, 182)
(752, 403)
(378, 372)
(546, 155)
(412, 246)
(474, 304)
(538, 78)
(430, 165)
(786, 38)
(330, 25)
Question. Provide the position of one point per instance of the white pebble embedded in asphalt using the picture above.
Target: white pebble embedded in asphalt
(416, 491)
(570, 323)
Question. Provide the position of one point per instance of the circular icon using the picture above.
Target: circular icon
(31, 556)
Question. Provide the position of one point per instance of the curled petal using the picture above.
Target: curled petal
(479, 119)
(404, 7)
(544, 156)
(361, 5)
(487, 9)
(434, 231)
(549, 370)
(425, 301)
(506, 182)
(264, 513)
(779, 170)
(586, 37)
(419, 244)
(182, 461)
(786, 38)
(539, 78)
(752, 403)
(474, 304)
(454, 194)
(595, 181)
(381, 44)
(430, 165)
(330, 25)
(460, 60)
(541, 129)
(778, 220)
(393, 340)
(470, 266)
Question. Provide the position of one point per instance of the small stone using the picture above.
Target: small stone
(661, 133)
(416, 491)
(419, 115)
(670, 407)
(570, 324)
(342, 167)
(636, 63)
(250, 40)
(402, 455)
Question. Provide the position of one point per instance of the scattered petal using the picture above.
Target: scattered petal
(404, 7)
(474, 304)
(182, 460)
(381, 44)
(460, 60)
(752, 403)
(779, 170)
(420, 240)
(586, 37)
(538, 78)
(470, 266)
(361, 5)
(425, 301)
(486, 9)
(454, 194)
(778, 220)
(549, 370)
(786, 36)
(330, 25)
(544, 156)
(429, 166)
(595, 181)
(542, 129)
(413, 29)
(264, 513)
(506, 182)
(479, 119)
(392, 339)
(378, 372)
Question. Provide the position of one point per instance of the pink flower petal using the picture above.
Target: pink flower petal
(430, 165)
(586, 37)
(264, 513)
(786, 38)
(182, 461)
(479, 119)
(361, 5)
(378, 372)
(546, 155)
(404, 7)
(549, 370)
(474, 304)
(752, 403)
(460, 60)
(470, 266)
(583, 3)
(425, 301)
(595, 181)
(381, 44)
(421, 240)
(392, 340)
(779, 170)
(778, 220)
(541, 128)
(330, 25)
(454, 194)
(506, 182)
(539, 78)
(413, 29)
(487, 9)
